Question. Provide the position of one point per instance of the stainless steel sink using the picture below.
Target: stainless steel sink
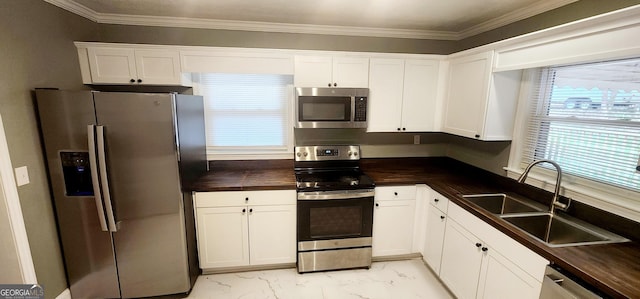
(558, 231)
(503, 204)
(554, 230)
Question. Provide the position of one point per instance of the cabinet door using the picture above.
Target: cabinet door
(272, 234)
(467, 93)
(393, 227)
(351, 72)
(419, 100)
(223, 237)
(436, 222)
(158, 66)
(461, 261)
(112, 65)
(385, 95)
(501, 278)
(313, 71)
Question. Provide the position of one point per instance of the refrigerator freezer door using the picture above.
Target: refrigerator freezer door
(88, 251)
(143, 176)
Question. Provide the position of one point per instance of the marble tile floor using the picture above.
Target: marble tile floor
(395, 279)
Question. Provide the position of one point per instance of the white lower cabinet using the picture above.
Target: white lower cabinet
(436, 222)
(393, 220)
(246, 228)
(461, 261)
(223, 237)
(479, 261)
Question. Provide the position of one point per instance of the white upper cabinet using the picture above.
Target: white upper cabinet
(328, 71)
(385, 95)
(419, 100)
(480, 104)
(403, 95)
(133, 66)
(111, 65)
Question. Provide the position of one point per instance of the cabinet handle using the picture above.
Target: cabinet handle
(132, 81)
(395, 193)
(244, 210)
(335, 84)
(478, 245)
(485, 249)
(246, 199)
(377, 204)
(139, 80)
(477, 135)
(404, 129)
(398, 129)
(442, 217)
(250, 210)
(436, 200)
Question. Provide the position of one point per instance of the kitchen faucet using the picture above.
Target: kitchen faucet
(556, 194)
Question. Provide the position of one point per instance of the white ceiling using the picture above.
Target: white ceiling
(424, 19)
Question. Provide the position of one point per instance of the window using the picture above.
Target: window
(587, 119)
(247, 115)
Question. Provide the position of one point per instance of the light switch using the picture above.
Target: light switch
(416, 139)
(22, 176)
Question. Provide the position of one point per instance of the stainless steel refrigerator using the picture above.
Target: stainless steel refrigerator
(119, 166)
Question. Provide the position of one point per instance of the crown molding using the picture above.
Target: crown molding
(76, 8)
(514, 16)
(160, 21)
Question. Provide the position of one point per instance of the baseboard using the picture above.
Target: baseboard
(247, 268)
(66, 294)
(399, 257)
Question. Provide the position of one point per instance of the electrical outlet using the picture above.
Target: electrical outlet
(22, 176)
(416, 139)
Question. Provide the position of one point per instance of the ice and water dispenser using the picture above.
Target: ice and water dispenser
(77, 173)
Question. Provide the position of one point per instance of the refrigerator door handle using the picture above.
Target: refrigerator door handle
(102, 161)
(91, 133)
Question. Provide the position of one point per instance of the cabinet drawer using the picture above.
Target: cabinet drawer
(439, 201)
(239, 198)
(395, 192)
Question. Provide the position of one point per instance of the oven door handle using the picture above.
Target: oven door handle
(342, 194)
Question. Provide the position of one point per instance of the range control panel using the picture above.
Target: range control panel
(327, 152)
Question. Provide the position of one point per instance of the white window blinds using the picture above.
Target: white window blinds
(247, 113)
(587, 119)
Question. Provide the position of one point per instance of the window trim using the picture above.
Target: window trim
(617, 200)
(253, 152)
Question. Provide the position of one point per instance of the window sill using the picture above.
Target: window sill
(615, 200)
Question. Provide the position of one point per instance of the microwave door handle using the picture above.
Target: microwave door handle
(102, 161)
(91, 136)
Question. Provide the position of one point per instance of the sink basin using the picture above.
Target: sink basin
(503, 204)
(558, 231)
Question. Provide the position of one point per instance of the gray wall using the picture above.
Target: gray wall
(37, 51)
(565, 14)
(228, 38)
(245, 39)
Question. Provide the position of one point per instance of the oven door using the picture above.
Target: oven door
(331, 215)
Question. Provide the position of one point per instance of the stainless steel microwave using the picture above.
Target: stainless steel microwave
(327, 107)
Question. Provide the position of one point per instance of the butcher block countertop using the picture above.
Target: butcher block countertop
(612, 268)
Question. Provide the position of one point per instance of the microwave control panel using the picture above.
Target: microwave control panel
(361, 109)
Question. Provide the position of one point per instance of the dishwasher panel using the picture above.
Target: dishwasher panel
(557, 285)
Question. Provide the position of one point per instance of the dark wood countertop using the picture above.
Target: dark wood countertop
(612, 268)
(247, 175)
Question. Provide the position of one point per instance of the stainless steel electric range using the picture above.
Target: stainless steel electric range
(335, 208)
